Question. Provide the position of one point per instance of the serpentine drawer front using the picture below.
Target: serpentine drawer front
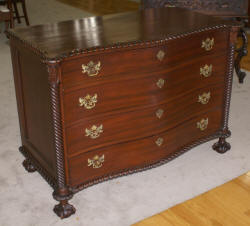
(141, 152)
(102, 66)
(137, 92)
(97, 101)
(84, 135)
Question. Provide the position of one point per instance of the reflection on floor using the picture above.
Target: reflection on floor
(227, 205)
(102, 7)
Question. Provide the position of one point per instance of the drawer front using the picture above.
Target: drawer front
(112, 65)
(139, 153)
(156, 88)
(102, 131)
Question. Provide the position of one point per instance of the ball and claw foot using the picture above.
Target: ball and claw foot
(64, 209)
(29, 166)
(222, 146)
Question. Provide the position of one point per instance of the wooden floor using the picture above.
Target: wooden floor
(102, 7)
(227, 205)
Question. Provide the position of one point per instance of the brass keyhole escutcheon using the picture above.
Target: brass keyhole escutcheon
(159, 113)
(160, 55)
(160, 83)
(159, 141)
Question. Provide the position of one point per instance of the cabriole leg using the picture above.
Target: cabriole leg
(63, 209)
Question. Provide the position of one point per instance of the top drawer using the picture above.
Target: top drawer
(97, 68)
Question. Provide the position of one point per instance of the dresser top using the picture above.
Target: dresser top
(59, 40)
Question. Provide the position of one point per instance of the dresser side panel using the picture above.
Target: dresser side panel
(33, 101)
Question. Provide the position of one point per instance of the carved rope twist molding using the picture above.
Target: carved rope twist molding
(56, 115)
(51, 181)
(147, 166)
(228, 86)
(150, 43)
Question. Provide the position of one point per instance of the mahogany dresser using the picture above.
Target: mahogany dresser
(226, 9)
(103, 97)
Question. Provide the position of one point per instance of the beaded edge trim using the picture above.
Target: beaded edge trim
(44, 173)
(52, 181)
(75, 52)
(126, 172)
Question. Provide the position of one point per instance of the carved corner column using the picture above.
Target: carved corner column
(61, 193)
(222, 146)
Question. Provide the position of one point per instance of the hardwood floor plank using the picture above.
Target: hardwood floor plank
(226, 205)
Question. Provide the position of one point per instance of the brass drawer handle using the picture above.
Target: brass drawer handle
(160, 55)
(94, 132)
(88, 101)
(206, 71)
(96, 162)
(159, 113)
(202, 125)
(159, 141)
(208, 44)
(91, 68)
(160, 83)
(204, 98)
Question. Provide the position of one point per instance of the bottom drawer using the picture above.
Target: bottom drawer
(116, 158)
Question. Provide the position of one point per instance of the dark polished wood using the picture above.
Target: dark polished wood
(143, 151)
(146, 61)
(68, 38)
(230, 10)
(143, 122)
(121, 99)
(162, 79)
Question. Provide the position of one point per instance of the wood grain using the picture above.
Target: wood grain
(47, 61)
(141, 123)
(126, 93)
(226, 205)
(123, 65)
(69, 38)
(139, 153)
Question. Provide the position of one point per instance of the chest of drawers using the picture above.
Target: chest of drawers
(103, 97)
